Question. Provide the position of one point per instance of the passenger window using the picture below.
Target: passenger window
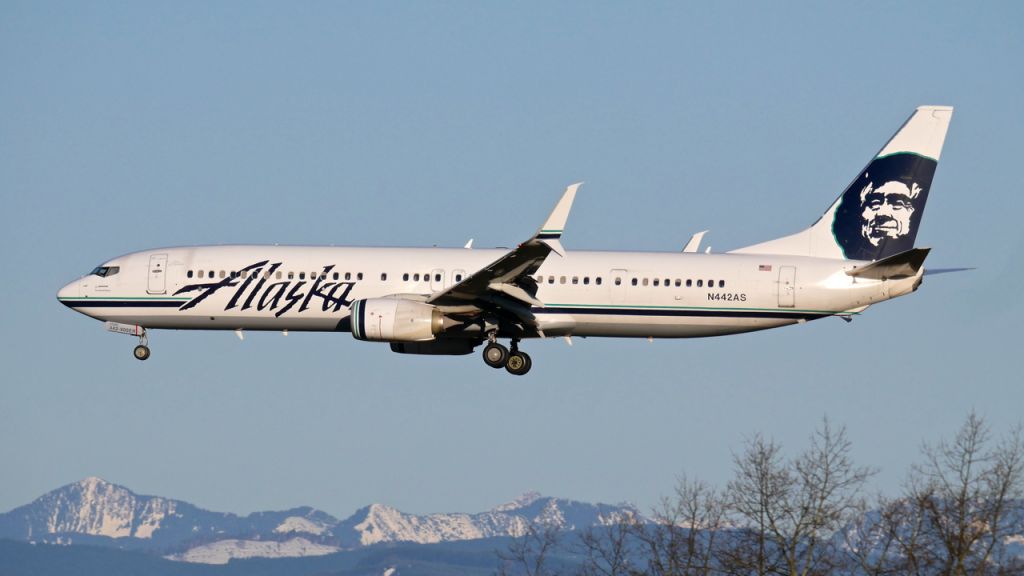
(575, 279)
(645, 281)
(291, 275)
(266, 275)
(458, 277)
(211, 274)
(359, 276)
(222, 274)
(561, 280)
(437, 277)
(383, 276)
(302, 275)
(405, 277)
(667, 282)
(586, 280)
(335, 276)
(189, 274)
(689, 283)
(678, 282)
(278, 275)
(700, 283)
(551, 279)
(721, 283)
(711, 283)
(597, 280)
(618, 280)
(634, 281)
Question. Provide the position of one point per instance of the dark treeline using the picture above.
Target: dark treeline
(959, 513)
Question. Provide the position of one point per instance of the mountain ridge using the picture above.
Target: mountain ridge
(97, 512)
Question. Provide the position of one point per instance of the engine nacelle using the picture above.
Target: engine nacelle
(395, 320)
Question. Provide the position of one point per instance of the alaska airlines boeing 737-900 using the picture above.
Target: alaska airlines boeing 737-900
(451, 300)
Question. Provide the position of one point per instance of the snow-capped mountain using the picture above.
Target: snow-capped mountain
(97, 512)
(376, 523)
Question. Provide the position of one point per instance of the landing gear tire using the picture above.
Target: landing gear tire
(495, 355)
(518, 363)
(141, 352)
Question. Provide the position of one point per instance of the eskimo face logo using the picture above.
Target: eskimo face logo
(887, 210)
(879, 213)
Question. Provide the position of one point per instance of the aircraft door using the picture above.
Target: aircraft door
(617, 279)
(157, 274)
(787, 286)
(436, 280)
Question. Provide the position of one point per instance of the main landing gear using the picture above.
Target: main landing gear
(515, 361)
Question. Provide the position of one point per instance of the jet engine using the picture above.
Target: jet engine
(395, 320)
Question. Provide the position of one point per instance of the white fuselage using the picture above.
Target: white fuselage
(585, 293)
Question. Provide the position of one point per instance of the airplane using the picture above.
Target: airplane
(449, 301)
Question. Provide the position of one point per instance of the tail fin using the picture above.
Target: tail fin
(879, 213)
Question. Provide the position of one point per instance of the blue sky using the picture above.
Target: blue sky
(135, 125)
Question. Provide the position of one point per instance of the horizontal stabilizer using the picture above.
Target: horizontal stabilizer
(933, 271)
(900, 265)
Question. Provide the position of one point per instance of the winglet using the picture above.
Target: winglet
(551, 231)
(694, 242)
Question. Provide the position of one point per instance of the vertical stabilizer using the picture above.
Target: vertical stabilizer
(879, 213)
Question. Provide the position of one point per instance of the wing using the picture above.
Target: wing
(505, 286)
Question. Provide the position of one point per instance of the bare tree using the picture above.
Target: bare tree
(957, 511)
(965, 492)
(762, 482)
(609, 550)
(789, 512)
(527, 555)
(884, 540)
(683, 538)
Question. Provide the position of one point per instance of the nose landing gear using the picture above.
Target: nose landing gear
(514, 361)
(141, 351)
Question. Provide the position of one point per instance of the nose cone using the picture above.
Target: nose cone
(68, 292)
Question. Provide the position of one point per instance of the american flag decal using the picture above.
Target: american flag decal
(764, 268)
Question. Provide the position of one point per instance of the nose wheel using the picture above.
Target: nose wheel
(514, 361)
(141, 351)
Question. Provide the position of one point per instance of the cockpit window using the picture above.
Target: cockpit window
(105, 271)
